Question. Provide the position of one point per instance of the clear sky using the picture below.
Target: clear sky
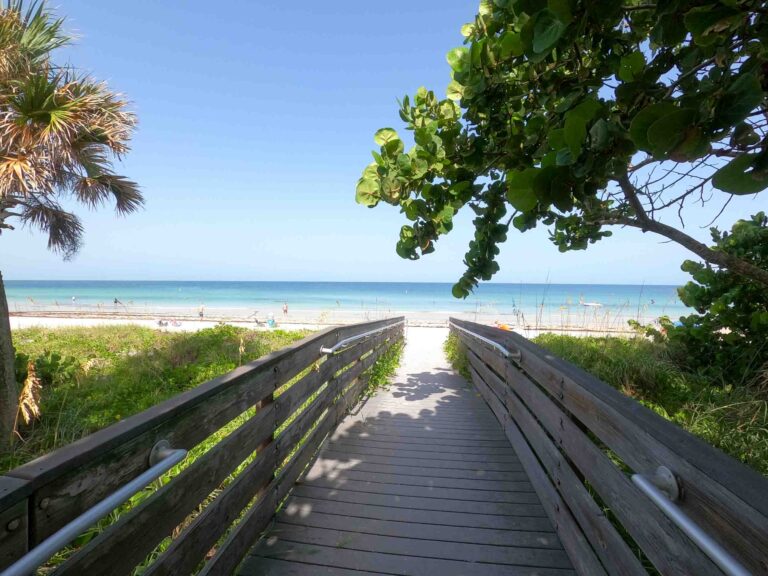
(256, 119)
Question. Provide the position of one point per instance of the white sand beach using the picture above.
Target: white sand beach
(589, 322)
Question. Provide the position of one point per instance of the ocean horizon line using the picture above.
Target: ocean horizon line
(389, 282)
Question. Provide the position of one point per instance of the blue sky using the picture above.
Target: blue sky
(256, 119)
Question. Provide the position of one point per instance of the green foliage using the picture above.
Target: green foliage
(553, 106)
(94, 377)
(727, 337)
(731, 418)
(456, 355)
(384, 368)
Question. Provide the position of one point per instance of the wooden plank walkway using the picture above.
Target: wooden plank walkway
(420, 480)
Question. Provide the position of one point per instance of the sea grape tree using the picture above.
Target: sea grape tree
(582, 116)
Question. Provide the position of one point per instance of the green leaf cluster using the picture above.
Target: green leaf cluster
(726, 337)
(552, 103)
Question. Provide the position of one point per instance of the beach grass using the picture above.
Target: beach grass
(94, 377)
(731, 418)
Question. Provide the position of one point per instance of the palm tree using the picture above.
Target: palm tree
(59, 132)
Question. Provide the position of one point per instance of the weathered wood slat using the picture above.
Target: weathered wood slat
(94, 453)
(186, 552)
(435, 481)
(64, 498)
(530, 508)
(580, 552)
(425, 492)
(351, 448)
(583, 557)
(606, 542)
(421, 531)
(610, 547)
(60, 486)
(477, 467)
(75, 477)
(459, 519)
(138, 532)
(299, 427)
(14, 524)
(360, 430)
(293, 397)
(722, 495)
(255, 520)
(349, 538)
(417, 449)
(274, 567)
(666, 546)
(420, 471)
(673, 554)
(385, 563)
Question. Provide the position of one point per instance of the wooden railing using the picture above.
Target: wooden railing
(214, 517)
(580, 440)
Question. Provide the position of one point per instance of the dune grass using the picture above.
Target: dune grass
(94, 377)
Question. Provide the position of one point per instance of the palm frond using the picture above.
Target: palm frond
(59, 130)
(42, 33)
(128, 198)
(64, 229)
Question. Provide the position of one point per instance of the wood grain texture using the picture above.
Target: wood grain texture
(61, 485)
(390, 491)
(605, 542)
(722, 495)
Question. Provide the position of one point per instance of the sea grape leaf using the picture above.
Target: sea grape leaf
(631, 66)
(385, 135)
(643, 120)
(737, 177)
(547, 29)
(742, 96)
(520, 189)
(668, 131)
(511, 45)
(367, 192)
(458, 59)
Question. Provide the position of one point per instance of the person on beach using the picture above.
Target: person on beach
(201, 311)
(285, 309)
(118, 302)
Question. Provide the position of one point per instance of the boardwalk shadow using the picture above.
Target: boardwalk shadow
(419, 479)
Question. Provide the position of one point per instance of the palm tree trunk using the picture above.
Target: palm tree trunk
(9, 393)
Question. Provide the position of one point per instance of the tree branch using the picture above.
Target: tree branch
(630, 193)
(716, 257)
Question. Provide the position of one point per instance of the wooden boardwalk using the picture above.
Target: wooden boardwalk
(419, 480)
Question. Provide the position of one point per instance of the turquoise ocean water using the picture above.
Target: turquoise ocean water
(646, 301)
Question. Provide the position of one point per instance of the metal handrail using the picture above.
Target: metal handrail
(517, 355)
(162, 459)
(344, 343)
(727, 563)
